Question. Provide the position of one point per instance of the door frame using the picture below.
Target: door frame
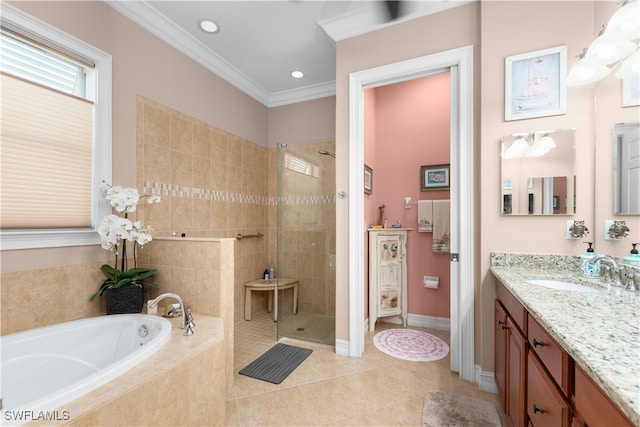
(460, 62)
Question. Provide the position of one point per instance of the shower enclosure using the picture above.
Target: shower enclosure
(306, 241)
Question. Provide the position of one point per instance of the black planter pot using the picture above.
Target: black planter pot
(129, 299)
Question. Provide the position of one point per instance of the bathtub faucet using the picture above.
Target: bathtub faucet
(187, 320)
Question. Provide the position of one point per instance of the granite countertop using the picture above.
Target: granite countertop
(599, 330)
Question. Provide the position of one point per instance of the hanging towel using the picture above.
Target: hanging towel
(441, 226)
(425, 216)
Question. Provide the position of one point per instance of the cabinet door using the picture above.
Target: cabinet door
(592, 407)
(500, 350)
(516, 375)
(546, 405)
(390, 250)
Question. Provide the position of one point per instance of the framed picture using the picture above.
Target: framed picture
(434, 177)
(631, 91)
(368, 180)
(535, 84)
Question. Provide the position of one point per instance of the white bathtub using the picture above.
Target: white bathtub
(44, 368)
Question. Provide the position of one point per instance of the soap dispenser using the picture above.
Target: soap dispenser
(633, 258)
(586, 268)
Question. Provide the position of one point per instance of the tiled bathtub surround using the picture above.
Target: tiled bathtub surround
(600, 331)
(35, 298)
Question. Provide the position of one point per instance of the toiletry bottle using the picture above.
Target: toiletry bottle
(633, 258)
(272, 272)
(266, 274)
(586, 268)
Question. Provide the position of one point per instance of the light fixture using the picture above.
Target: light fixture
(617, 41)
(582, 73)
(517, 149)
(624, 24)
(297, 74)
(605, 52)
(208, 26)
(526, 145)
(630, 66)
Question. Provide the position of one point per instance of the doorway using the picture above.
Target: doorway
(459, 62)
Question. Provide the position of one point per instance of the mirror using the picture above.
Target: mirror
(538, 173)
(626, 169)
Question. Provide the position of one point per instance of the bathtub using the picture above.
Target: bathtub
(45, 368)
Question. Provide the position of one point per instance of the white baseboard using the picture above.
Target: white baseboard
(486, 380)
(421, 321)
(342, 347)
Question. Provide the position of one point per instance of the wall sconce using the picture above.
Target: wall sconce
(407, 202)
(617, 43)
(576, 229)
(618, 230)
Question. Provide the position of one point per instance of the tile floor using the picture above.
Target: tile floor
(331, 390)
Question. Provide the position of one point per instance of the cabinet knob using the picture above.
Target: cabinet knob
(536, 409)
(537, 343)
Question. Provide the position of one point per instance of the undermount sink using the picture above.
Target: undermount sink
(563, 286)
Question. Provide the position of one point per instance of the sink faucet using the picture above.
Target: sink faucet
(616, 271)
(187, 320)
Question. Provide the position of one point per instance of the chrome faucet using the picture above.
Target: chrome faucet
(616, 271)
(187, 320)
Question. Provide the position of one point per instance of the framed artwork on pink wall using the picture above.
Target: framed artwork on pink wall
(535, 84)
(368, 180)
(434, 177)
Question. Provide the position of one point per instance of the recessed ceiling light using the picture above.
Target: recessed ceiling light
(297, 74)
(208, 26)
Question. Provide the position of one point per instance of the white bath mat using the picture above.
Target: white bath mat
(408, 344)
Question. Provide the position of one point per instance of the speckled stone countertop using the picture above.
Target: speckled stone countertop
(599, 330)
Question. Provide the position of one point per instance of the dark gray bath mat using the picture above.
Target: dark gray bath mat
(277, 363)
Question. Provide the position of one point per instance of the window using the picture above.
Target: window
(55, 138)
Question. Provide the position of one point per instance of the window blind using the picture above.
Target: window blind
(46, 151)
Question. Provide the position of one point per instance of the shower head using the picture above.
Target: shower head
(327, 153)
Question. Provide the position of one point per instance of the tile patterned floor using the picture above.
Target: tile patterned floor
(331, 390)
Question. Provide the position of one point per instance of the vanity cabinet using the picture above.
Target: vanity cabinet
(538, 382)
(510, 363)
(387, 274)
(592, 407)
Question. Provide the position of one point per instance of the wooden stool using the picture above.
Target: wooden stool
(270, 285)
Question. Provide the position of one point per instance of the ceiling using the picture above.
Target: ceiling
(259, 43)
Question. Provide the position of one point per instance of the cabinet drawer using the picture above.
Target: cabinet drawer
(546, 406)
(512, 305)
(550, 353)
(593, 408)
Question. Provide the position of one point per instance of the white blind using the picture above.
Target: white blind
(46, 144)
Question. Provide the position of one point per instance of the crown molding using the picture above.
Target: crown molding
(147, 17)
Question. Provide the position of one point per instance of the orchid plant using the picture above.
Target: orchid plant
(116, 230)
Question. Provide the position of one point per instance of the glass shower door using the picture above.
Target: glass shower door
(306, 225)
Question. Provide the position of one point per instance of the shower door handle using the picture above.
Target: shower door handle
(342, 194)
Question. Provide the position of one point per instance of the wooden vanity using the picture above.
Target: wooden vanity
(540, 382)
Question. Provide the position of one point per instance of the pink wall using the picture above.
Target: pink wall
(408, 126)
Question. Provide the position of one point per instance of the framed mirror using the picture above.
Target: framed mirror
(538, 173)
(626, 169)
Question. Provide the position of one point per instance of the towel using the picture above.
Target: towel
(425, 216)
(441, 226)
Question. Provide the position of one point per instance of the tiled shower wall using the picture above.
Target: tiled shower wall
(212, 183)
(216, 184)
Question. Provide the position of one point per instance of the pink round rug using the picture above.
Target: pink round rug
(408, 344)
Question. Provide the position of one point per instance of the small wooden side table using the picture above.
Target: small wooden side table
(270, 285)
